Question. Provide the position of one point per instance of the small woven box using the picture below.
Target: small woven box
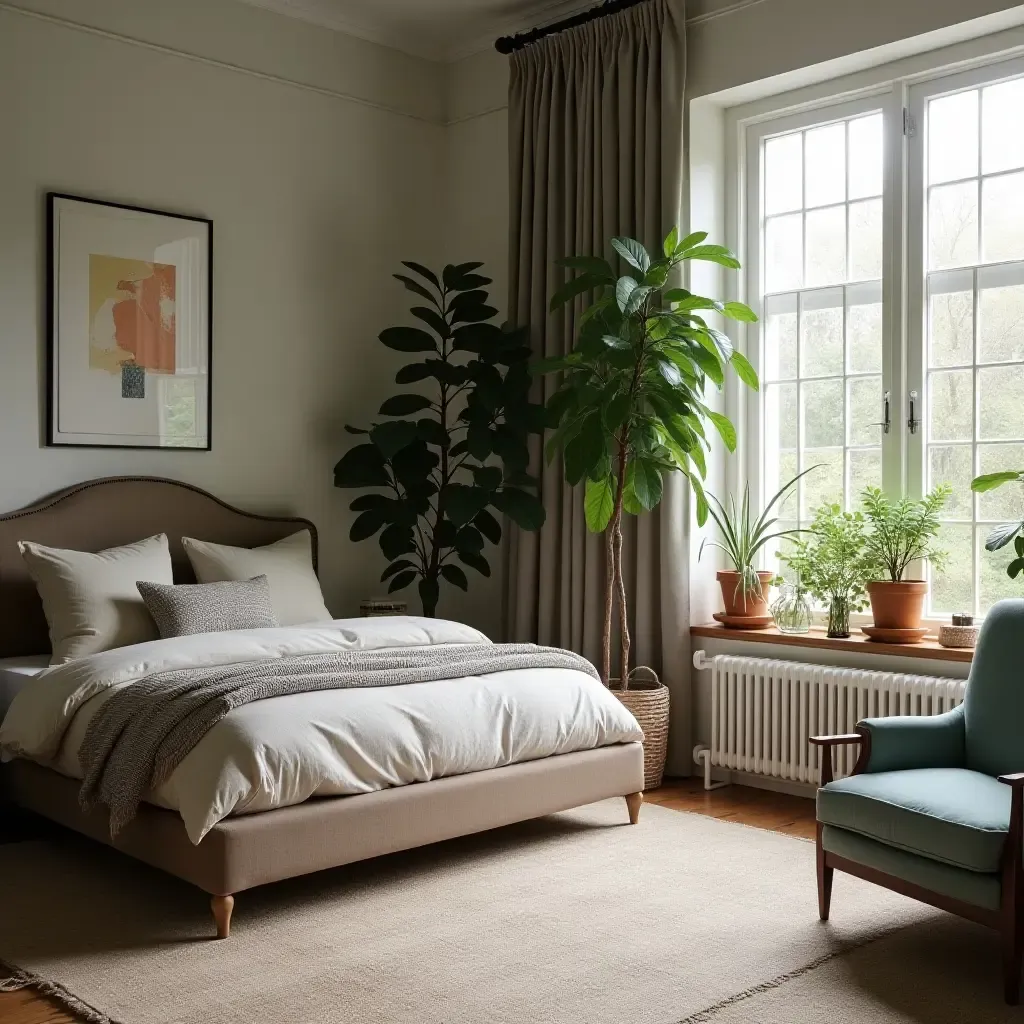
(958, 636)
(374, 608)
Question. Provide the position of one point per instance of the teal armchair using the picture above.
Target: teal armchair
(934, 808)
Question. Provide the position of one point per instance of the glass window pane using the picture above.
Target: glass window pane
(1002, 142)
(864, 336)
(951, 329)
(822, 414)
(952, 590)
(864, 411)
(951, 405)
(783, 174)
(825, 484)
(780, 416)
(953, 465)
(1001, 324)
(866, 240)
(780, 333)
(994, 583)
(953, 225)
(953, 137)
(825, 165)
(1001, 402)
(865, 471)
(826, 246)
(784, 252)
(821, 334)
(1002, 209)
(1006, 502)
(866, 157)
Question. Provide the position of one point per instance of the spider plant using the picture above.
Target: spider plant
(742, 536)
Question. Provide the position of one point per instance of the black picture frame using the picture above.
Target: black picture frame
(52, 298)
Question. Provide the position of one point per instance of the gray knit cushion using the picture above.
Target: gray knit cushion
(208, 607)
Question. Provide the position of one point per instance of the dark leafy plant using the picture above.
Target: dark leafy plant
(630, 406)
(903, 530)
(1005, 532)
(436, 478)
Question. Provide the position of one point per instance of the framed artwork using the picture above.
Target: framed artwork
(130, 304)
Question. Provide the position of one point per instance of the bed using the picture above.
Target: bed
(240, 850)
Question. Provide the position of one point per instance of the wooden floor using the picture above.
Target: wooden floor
(778, 812)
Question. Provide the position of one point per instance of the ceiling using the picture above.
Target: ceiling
(435, 29)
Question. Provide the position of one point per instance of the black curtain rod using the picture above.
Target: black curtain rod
(509, 44)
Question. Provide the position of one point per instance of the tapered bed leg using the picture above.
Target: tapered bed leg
(222, 907)
(633, 802)
(825, 874)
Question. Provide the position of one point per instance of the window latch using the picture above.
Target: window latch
(913, 423)
(886, 423)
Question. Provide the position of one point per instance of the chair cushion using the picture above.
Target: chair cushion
(951, 815)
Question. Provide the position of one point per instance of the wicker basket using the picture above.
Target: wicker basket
(647, 700)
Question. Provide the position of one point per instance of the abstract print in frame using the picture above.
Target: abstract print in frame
(130, 318)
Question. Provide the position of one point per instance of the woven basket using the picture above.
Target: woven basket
(647, 701)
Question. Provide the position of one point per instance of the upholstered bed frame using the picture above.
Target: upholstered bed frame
(248, 850)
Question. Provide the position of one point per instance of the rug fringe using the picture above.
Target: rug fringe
(702, 1016)
(15, 979)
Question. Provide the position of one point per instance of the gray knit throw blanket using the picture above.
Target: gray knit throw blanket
(144, 730)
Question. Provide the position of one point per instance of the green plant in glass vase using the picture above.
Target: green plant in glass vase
(630, 405)
(832, 563)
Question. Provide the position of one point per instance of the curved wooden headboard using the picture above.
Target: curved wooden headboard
(104, 513)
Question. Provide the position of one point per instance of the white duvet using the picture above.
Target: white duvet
(281, 751)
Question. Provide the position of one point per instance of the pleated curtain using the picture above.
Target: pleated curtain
(596, 150)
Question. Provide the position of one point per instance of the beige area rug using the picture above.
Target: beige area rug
(572, 919)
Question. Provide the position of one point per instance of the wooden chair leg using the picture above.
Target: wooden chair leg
(633, 802)
(222, 907)
(825, 874)
(1011, 966)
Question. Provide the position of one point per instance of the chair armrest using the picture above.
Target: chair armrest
(842, 740)
(1016, 780)
(915, 741)
(1015, 838)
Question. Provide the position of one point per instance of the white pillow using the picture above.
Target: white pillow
(295, 593)
(90, 600)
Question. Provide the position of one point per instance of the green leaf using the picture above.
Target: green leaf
(739, 311)
(362, 466)
(407, 339)
(670, 372)
(593, 265)
(393, 435)
(713, 254)
(472, 314)
(1002, 535)
(414, 463)
(432, 432)
(630, 502)
(453, 574)
(477, 337)
(523, 508)
(690, 241)
(487, 477)
(462, 502)
(745, 371)
(614, 341)
(617, 411)
(354, 430)
(415, 286)
(366, 525)
(365, 502)
(724, 427)
(671, 243)
(470, 282)
(403, 405)
(989, 481)
(624, 288)
(395, 541)
(488, 526)
(585, 451)
(475, 561)
(648, 485)
(469, 538)
(429, 594)
(633, 253)
(432, 319)
(572, 288)
(412, 373)
(402, 563)
(707, 361)
(636, 298)
(403, 579)
(418, 268)
(599, 503)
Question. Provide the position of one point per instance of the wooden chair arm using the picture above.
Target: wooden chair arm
(1016, 780)
(827, 743)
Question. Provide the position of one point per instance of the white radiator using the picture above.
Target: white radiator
(763, 711)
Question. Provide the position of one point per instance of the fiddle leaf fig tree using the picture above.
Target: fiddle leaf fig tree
(1005, 532)
(452, 452)
(630, 406)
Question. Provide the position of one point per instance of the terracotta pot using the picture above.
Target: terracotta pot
(739, 603)
(897, 605)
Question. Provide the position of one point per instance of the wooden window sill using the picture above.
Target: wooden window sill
(858, 643)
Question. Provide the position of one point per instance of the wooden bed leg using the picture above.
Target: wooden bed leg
(222, 907)
(825, 874)
(633, 802)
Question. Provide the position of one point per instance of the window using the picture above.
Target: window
(871, 386)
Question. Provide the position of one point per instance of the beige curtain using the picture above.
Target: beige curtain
(596, 148)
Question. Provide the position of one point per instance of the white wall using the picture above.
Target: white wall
(315, 197)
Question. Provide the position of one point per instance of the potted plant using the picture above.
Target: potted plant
(434, 478)
(1005, 532)
(833, 564)
(630, 408)
(902, 531)
(744, 588)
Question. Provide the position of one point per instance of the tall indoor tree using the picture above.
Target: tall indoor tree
(630, 406)
(435, 479)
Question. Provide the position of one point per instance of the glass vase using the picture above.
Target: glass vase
(839, 617)
(791, 610)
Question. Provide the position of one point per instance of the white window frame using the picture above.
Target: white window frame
(900, 90)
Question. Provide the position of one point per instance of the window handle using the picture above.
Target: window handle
(913, 423)
(886, 423)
